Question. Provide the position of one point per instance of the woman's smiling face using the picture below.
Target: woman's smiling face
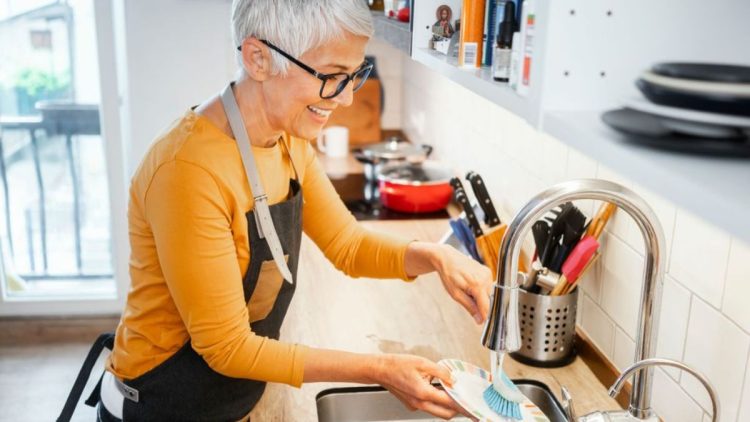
(293, 102)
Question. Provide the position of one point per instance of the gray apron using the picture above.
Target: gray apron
(184, 387)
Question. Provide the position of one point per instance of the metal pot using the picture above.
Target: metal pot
(415, 187)
(394, 150)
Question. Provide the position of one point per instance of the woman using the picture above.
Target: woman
(215, 218)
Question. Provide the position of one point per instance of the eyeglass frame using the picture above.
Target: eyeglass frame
(324, 77)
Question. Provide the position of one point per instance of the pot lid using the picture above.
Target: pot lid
(416, 174)
(394, 149)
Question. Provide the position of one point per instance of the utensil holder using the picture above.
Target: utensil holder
(547, 329)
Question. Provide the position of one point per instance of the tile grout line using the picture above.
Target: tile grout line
(684, 343)
(689, 397)
(742, 387)
(726, 273)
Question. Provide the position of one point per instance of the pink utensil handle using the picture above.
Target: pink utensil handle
(579, 257)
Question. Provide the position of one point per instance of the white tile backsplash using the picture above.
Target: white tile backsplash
(699, 257)
(391, 117)
(671, 402)
(591, 282)
(719, 349)
(737, 293)
(675, 311)
(620, 224)
(598, 326)
(622, 273)
(745, 401)
(692, 328)
(665, 211)
(624, 353)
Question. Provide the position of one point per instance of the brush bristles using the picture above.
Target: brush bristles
(500, 405)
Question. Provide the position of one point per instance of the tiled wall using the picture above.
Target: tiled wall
(705, 315)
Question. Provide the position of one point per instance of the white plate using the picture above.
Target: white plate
(687, 114)
(468, 389)
(732, 89)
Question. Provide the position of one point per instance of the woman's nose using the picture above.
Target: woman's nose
(346, 96)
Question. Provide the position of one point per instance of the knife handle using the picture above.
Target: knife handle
(483, 196)
(463, 200)
(456, 184)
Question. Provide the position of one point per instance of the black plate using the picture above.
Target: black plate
(704, 72)
(631, 122)
(724, 104)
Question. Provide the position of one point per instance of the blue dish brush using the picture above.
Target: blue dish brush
(502, 396)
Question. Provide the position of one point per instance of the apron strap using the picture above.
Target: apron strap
(291, 161)
(105, 340)
(262, 212)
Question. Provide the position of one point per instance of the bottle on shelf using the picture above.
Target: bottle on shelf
(472, 32)
(501, 57)
(528, 29)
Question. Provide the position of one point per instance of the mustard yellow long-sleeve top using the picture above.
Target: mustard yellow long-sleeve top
(189, 251)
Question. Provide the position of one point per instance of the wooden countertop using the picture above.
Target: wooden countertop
(331, 310)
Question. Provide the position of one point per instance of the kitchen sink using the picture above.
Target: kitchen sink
(377, 404)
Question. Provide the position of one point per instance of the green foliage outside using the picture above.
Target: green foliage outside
(32, 85)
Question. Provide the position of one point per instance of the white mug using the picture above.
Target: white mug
(333, 141)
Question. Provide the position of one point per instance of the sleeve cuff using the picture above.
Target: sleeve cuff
(298, 365)
(402, 269)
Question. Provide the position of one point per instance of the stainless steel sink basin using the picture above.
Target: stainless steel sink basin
(377, 404)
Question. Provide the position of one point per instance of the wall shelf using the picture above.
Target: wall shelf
(715, 189)
(480, 82)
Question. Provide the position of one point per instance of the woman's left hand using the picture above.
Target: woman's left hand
(466, 281)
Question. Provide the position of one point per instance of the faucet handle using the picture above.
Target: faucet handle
(568, 404)
(645, 364)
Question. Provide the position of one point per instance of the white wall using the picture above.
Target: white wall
(176, 54)
(705, 317)
(389, 69)
(179, 52)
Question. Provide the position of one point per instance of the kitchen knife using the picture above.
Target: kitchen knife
(471, 218)
(485, 202)
(460, 195)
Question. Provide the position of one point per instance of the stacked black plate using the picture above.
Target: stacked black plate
(693, 107)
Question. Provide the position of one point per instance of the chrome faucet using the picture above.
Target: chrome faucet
(644, 364)
(502, 331)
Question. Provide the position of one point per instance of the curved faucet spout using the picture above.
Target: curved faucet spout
(502, 332)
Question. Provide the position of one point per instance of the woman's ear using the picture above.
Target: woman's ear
(256, 59)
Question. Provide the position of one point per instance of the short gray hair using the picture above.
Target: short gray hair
(297, 26)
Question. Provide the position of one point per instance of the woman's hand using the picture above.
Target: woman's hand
(466, 281)
(408, 378)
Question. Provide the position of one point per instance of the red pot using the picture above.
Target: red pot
(415, 188)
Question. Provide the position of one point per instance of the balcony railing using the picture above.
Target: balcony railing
(41, 139)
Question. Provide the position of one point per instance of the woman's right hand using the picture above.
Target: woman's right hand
(408, 378)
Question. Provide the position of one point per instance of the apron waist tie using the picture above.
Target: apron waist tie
(106, 340)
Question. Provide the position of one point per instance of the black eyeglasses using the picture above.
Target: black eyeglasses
(332, 83)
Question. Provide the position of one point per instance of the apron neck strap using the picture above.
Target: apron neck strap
(262, 211)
